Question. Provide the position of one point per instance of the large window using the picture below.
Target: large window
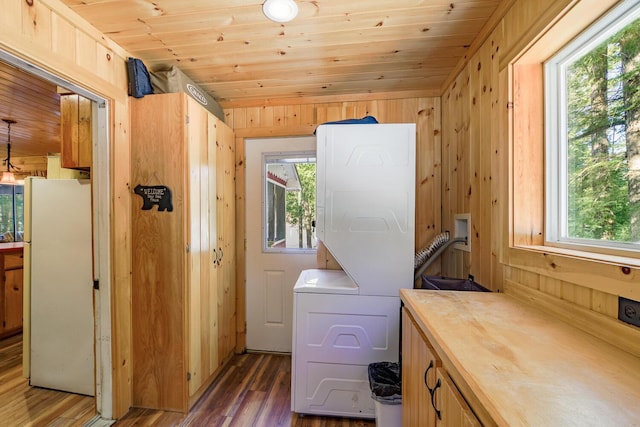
(290, 201)
(592, 89)
(11, 213)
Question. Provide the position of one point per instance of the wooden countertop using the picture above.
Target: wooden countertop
(526, 367)
(11, 247)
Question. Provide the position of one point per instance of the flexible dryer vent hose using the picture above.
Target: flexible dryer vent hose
(439, 244)
(428, 251)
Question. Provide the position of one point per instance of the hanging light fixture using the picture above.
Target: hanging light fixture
(7, 176)
(280, 10)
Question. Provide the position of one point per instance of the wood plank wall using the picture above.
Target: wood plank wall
(475, 180)
(469, 161)
(300, 119)
(474, 156)
(49, 35)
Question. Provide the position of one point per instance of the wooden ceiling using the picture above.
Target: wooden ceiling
(333, 47)
(35, 106)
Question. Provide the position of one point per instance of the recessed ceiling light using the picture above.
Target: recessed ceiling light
(280, 10)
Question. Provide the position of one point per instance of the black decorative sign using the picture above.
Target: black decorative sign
(152, 195)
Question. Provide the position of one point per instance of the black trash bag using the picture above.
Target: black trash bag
(385, 382)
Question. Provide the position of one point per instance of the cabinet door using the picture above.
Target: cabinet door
(211, 260)
(229, 236)
(419, 365)
(454, 411)
(76, 131)
(198, 271)
(13, 299)
(410, 372)
(212, 203)
(225, 141)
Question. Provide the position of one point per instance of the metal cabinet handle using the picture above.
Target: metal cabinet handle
(215, 260)
(219, 260)
(433, 398)
(425, 376)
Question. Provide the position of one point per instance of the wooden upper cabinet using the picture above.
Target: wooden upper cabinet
(76, 131)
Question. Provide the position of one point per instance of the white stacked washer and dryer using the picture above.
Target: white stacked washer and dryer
(346, 319)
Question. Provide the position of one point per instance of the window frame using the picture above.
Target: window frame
(521, 92)
(522, 68)
(556, 144)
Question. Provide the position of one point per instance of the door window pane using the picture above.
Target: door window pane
(290, 201)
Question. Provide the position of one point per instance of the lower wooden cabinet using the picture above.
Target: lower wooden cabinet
(429, 397)
(419, 366)
(13, 300)
(11, 291)
(452, 409)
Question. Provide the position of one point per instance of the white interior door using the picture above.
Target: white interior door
(271, 272)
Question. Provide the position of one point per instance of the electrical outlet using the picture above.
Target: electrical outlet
(629, 311)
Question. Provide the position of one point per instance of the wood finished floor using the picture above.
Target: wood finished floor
(23, 405)
(254, 391)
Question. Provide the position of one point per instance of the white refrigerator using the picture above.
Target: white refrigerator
(58, 282)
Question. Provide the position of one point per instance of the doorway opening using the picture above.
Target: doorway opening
(26, 105)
